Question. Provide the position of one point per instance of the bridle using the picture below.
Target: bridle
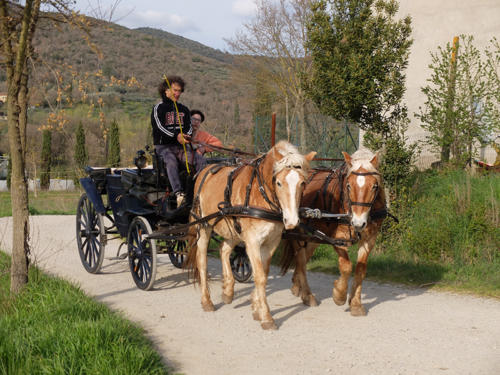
(362, 204)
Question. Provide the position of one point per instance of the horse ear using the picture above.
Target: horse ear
(277, 155)
(310, 156)
(347, 158)
(374, 161)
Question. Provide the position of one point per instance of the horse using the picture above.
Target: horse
(355, 189)
(270, 187)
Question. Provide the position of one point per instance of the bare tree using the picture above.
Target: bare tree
(17, 27)
(105, 13)
(275, 41)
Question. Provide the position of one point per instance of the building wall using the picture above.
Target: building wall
(435, 23)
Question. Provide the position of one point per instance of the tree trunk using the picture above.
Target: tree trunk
(19, 197)
(302, 125)
(15, 61)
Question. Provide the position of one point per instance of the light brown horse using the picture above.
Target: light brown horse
(355, 189)
(275, 183)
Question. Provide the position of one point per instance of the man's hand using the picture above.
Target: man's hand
(183, 138)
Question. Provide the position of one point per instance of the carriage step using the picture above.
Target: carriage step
(120, 257)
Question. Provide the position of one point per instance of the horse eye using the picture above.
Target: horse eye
(375, 186)
(297, 167)
(348, 186)
(278, 183)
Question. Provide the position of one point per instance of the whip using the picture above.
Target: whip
(180, 125)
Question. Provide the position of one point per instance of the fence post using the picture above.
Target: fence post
(273, 129)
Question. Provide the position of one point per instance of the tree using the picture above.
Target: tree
(114, 145)
(81, 155)
(17, 26)
(359, 55)
(461, 107)
(275, 42)
(46, 159)
(18, 22)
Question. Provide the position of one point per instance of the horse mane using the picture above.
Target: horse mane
(361, 159)
(292, 158)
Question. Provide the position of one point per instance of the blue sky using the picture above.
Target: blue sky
(205, 21)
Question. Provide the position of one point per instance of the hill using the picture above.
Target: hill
(189, 44)
(145, 54)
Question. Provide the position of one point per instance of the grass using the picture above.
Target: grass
(448, 236)
(44, 203)
(54, 328)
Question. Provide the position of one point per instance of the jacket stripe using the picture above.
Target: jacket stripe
(158, 122)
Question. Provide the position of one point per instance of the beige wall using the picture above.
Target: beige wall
(434, 23)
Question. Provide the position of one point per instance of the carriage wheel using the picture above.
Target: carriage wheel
(90, 235)
(240, 264)
(177, 252)
(141, 253)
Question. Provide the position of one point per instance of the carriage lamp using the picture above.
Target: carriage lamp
(140, 160)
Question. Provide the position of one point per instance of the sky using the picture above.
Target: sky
(205, 21)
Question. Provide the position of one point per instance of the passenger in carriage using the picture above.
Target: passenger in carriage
(202, 139)
(167, 135)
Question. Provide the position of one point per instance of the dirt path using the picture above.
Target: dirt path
(406, 331)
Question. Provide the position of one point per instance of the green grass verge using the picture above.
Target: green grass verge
(44, 203)
(54, 328)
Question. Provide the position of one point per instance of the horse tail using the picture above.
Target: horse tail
(287, 256)
(190, 264)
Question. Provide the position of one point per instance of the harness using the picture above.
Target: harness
(226, 208)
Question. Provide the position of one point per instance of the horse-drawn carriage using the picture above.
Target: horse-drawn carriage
(255, 202)
(129, 204)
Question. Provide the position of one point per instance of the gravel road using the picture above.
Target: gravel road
(406, 331)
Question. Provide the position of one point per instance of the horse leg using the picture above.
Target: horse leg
(341, 284)
(365, 247)
(299, 264)
(201, 259)
(227, 273)
(260, 260)
(300, 275)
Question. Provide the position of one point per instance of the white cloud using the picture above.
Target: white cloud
(244, 7)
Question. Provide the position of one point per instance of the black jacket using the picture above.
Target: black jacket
(166, 125)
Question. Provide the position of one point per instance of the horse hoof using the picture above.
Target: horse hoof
(310, 300)
(269, 326)
(227, 299)
(256, 315)
(358, 311)
(209, 306)
(339, 299)
(295, 290)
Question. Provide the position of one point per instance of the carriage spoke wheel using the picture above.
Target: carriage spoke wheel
(177, 252)
(240, 264)
(141, 253)
(90, 235)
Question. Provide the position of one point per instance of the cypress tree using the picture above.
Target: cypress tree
(81, 154)
(46, 159)
(114, 145)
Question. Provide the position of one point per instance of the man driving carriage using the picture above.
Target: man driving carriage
(169, 135)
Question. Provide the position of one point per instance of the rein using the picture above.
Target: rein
(226, 207)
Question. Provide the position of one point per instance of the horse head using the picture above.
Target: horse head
(290, 171)
(363, 184)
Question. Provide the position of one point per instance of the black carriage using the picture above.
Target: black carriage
(130, 204)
